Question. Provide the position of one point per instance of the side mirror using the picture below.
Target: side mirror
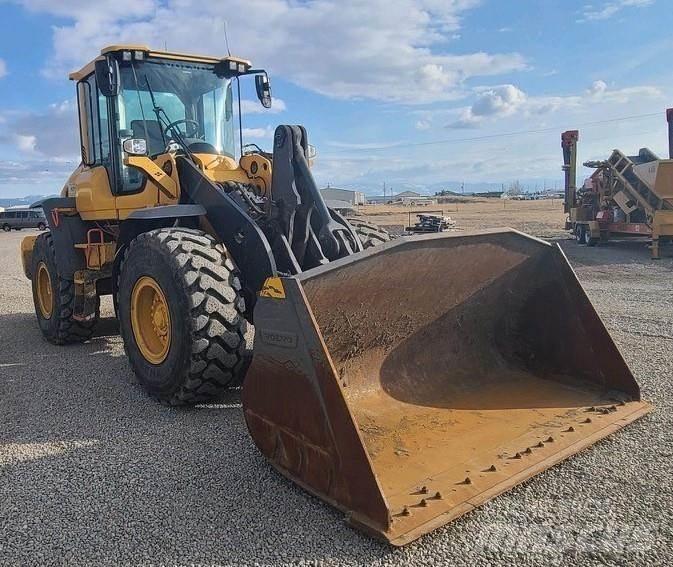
(107, 76)
(263, 88)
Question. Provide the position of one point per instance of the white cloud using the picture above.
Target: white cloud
(598, 88)
(601, 92)
(255, 107)
(51, 132)
(3, 68)
(42, 175)
(25, 143)
(391, 50)
(422, 125)
(258, 133)
(364, 145)
(495, 103)
(499, 101)
(608, 9)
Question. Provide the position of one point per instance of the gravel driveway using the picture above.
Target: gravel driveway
(92, 472)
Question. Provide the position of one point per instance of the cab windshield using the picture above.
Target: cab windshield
(191, 97)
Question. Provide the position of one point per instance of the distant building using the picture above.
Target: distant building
(413, 198)
(344, 195)
(404, 198)
(408, 195)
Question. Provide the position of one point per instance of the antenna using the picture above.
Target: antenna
(226, 38)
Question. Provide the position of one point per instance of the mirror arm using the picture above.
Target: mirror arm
(254, 72)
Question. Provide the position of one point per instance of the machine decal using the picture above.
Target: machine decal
(273, 288)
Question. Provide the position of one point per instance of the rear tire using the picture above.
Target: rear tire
(588, 240)
(6, 228)
(369, 233)
(41, 226)
(54, 298)
(201, 329)
(579, 233)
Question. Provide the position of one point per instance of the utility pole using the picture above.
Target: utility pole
(384, 192)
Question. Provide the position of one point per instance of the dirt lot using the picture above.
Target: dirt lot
(94, 472)
(542, 218)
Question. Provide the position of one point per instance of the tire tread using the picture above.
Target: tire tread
(68, 330)
(213, 287)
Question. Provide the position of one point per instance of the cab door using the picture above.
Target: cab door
(132, 108)
(93, 180)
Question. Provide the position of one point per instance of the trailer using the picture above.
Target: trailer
(625, 196)
(431, 223)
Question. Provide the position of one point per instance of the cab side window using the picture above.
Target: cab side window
(94, 129)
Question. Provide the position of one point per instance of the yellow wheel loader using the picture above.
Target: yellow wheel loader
(403, 381)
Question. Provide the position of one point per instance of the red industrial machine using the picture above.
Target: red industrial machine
(624, 196)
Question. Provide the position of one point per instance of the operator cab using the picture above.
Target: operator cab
(151, 103)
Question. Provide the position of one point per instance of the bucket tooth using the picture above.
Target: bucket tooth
(455, 348)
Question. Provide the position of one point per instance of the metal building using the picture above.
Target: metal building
(347, 195)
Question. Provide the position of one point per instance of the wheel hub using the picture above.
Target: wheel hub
(150, 320)
(45, 298)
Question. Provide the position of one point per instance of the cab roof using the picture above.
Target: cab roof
(192, 58)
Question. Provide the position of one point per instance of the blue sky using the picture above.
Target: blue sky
(416, 93)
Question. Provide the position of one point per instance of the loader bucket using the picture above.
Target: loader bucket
(409, 383)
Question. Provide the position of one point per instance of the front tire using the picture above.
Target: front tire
(6, 228)
(181, 316)
(54, 298)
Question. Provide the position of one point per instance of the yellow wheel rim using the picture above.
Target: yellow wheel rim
(150, 320)
(45, 297)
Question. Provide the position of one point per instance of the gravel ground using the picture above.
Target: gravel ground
(92, 472)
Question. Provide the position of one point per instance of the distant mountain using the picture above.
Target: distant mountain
(456, 187)
(22, 201)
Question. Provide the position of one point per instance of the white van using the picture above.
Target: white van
(22, 218)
